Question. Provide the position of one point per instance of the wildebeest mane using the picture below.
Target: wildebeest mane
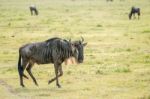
(51, 39)
(52, 49)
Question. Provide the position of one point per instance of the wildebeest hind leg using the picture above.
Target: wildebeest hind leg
(21, 72)
(25, 76)
(29, 67)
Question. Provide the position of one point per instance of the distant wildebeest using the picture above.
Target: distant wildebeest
(33, 10)
(54, 50)
(110, 0)
(133, 12)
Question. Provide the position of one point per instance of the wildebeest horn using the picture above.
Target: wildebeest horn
(70, 40)
(82, 39)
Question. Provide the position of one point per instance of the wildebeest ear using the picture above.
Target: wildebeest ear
(84, 44)
(70, 40)
(82, 39)
(80, 42)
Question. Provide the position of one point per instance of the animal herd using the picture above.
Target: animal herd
(133, 11)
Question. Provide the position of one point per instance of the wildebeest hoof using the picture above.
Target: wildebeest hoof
(36, 84)
(58, 86)
(22, 85)
(49, 81)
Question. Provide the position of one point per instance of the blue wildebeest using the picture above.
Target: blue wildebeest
(134, 11)
(54, 50)
(110, 0)
(33, 10)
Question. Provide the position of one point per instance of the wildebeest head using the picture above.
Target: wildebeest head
(78, 50)
(130, 15)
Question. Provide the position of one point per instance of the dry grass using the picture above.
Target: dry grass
(117, 57)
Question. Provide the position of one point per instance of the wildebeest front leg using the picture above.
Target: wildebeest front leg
(57, 68)
(31, 11)
(138, 16)
(60, 74)
(56, 73)
(134, 16)
(30, 73)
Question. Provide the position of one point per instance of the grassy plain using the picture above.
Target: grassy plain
(117, 57)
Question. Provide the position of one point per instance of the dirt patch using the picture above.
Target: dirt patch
(8, 87)
(10, 90)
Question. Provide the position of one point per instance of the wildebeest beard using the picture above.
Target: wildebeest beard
(73, 59)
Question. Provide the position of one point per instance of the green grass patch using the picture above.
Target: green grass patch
(122, 70)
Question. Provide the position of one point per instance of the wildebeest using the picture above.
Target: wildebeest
(134, 11)
(110, 0)
(33, 10)
(54, 50)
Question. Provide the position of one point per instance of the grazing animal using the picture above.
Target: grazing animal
(110, 0)
(33, 10)
(134, 11)
(54, 50)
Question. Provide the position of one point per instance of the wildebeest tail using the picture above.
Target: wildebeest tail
(20, 68)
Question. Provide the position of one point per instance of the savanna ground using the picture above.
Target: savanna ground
(117, 57)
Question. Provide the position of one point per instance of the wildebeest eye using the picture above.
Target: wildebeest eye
(75, 44)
